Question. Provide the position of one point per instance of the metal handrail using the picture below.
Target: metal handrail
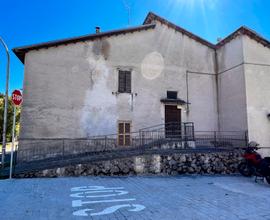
(164, 124)
(112, 134)
(156, 136)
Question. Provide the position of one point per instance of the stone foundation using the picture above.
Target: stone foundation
(196, 163)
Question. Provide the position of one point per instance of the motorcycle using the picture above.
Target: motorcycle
(253, 164)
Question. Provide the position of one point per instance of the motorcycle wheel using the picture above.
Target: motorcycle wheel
(245, 169)
(267, 179)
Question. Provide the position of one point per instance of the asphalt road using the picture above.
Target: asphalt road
(181, 197)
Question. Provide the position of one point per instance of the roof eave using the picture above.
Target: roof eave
(152, 16)
(147, 24)
(244, 31)
(21, 51)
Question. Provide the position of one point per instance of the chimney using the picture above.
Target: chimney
(219, 39)
(97, 30)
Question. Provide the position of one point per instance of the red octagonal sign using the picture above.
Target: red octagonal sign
(17, 97)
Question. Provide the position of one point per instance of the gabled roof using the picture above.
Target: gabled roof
(148, 23)
(244, 31)
(21, 51)
(151, 17)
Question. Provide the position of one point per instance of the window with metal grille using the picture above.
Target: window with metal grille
(124, 135)
(171, 94)
(124, 81)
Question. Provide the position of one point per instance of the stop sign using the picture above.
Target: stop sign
(17, 97)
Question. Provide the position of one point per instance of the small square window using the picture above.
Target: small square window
(171, 95)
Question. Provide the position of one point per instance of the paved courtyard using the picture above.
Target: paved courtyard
(181, 197)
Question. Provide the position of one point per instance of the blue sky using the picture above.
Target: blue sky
(24, 22)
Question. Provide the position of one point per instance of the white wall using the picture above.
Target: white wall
(257, 78)
(68, 89)
(231, 83)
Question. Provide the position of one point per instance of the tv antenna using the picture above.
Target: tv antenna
(128, 8)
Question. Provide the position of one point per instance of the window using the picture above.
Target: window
(124, 81)
(171, 95)
(124, 133)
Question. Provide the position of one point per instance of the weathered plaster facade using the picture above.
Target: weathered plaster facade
(80, 80)
(71, 90)
(257, 81)
(231, 84)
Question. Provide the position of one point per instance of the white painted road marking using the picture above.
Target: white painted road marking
(78, 203)
(164, 197)
(110, 210)
(86, 188)
(84, 194)
(101, 192)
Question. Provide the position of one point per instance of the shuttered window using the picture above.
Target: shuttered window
(124, 81)
(124, 133)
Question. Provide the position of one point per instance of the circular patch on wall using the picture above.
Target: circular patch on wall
(152, 65)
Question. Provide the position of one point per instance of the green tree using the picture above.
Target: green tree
(9, 118)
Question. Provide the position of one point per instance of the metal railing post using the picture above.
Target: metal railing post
(185, 136)
(63, 148)
(143, 137)
(193, 132)
(140, 137)
(246, 137)
(215, 139)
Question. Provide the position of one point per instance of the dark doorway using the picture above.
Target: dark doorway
(172, 121)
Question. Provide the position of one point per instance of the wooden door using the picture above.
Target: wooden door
(172, 121)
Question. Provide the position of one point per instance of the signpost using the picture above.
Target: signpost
(6, 105)
(16, 101)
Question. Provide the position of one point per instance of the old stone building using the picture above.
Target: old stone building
(124, 80)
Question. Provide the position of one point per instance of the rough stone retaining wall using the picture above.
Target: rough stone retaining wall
(195, 163)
